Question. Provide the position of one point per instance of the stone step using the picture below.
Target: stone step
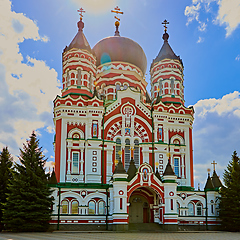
(145, 227)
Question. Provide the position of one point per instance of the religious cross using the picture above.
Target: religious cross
(117, 11)
(165, 22)
(81, 11)
(214, 163)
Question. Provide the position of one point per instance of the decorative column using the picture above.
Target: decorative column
(182, 166)
(165, 131)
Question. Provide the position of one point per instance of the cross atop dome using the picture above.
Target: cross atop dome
(117, 23)
(81, 11)
(165, 22)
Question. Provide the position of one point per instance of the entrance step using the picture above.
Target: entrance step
(145, 227)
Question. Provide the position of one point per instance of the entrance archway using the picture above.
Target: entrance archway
(141, 205)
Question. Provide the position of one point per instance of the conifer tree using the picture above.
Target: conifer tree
(230, 196)
(6, 163)
(28, 206)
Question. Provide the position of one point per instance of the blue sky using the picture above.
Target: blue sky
(205, 33)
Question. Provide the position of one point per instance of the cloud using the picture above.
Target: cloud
(200, 39)
(237, 57)
(28, 85)
(227, 15)
(216, 133)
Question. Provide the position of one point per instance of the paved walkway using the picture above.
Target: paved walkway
(121, 236)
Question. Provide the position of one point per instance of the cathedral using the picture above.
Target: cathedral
(124, 156)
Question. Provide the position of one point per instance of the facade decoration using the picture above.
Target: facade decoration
(122, 156)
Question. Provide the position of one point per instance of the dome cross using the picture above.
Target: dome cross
(165, 22)
(81, 11)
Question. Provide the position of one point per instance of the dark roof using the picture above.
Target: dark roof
(158, 99)
(131, 170)
(158, 175)
(119, 168)
(95, 93)
(168, 170)
(209, 184)
(148, 100)
(166, 51)
(215, 180)
(52, 178)
(79, 41)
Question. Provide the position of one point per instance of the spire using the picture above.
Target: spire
(52, 178)
(148, 100)
(215, 180)
(168, 170)
(209, 184)
(131, 170)
(158, 175)
(119, 168)
(79, 41)
(117, 23)
(158, 99)
(166, 51)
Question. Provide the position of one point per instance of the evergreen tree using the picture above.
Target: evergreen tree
(6, 163)
(230, 196)
(28, 206)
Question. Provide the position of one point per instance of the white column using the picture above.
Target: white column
(182, 166)
(69, 161)
(99, 129)
(109, 164)
(165, 131)
(81, 161)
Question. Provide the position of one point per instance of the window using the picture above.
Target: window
(74, 207)
(190, 209)
(176, 166)
(91, 207)
(125, 86)
(101, 207)
(75, 163)
(64, 207)
(127, 154)
(118, 149)
(199, 209)
(136, 152)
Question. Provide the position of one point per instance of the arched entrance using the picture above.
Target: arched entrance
(141, 208)
(139, 211)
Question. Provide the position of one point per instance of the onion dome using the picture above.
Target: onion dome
(120, 49)
(79, 41)
(166, 51)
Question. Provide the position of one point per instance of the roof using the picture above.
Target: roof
(79, 41)
(53, 179)
(131, 170)
(158, 175)
(215, 180)
(166, 51)
(209, 184)
(119, 168)
(168, 170)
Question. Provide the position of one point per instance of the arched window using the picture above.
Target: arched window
(176, 166)
(199, 209)
(165, 84)
(118, 149)
(136, 152)
(91, 207)
(190, 209)
(64, 207)
(101, 207)
(75, 162)
(75, 207)
(125, 86)
(127, 154)
(176, 142)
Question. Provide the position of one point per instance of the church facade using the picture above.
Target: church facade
(123, 156)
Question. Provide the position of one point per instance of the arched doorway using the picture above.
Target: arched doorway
(139, 211)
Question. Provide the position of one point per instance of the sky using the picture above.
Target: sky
(205, 33)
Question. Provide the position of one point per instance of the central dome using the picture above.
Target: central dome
(120, 49)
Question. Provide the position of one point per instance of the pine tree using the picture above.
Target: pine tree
(6, 163)
(28, 206)
(230, 196)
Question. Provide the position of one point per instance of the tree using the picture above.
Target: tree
(6, 163)
(230, 196)
(28, 206)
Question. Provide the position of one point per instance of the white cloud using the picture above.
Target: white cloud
(227, 15)
(216, 133)
(200, 39)
(237, 57)
(28, 86)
